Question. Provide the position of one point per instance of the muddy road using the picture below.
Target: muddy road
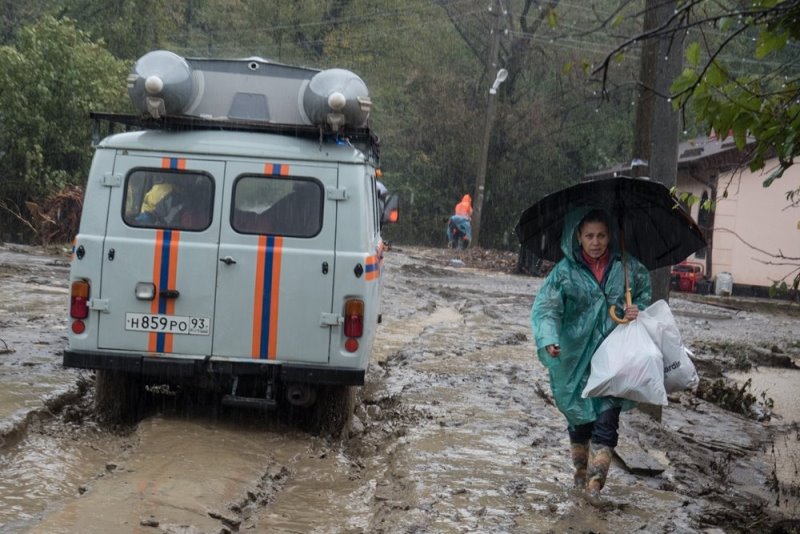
(454, 432)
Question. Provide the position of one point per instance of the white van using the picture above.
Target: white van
(228, 251)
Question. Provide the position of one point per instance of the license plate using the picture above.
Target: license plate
(168, 324)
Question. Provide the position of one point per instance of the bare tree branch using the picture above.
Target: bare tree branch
(778, 255)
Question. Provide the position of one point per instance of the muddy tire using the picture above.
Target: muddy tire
(117, 397)
(329, 415)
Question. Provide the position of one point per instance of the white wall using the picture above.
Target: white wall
(761, 217)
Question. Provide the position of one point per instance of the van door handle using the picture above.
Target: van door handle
(169, 294)
(227, 260)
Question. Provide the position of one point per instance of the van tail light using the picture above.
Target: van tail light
(354, 318)
(79, 300)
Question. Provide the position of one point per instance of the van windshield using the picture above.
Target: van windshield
(168, 199)
(284, 206)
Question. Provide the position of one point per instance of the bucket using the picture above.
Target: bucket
(724, 284)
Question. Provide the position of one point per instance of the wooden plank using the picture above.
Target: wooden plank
(637, 461)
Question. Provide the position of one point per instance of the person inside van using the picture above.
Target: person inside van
(175, 209)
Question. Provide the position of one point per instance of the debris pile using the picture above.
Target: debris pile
(57, 218)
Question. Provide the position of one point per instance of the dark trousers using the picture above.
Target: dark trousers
(602, 431)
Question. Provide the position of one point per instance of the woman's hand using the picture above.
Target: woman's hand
(553, 350)
(631, 312)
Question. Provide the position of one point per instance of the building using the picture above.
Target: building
(754, 232)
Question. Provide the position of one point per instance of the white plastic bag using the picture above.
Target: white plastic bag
(679, 371)
(628, 364)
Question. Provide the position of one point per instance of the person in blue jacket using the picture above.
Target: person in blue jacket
(570, 319)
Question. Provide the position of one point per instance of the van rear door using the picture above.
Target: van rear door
(160, 256)
(276, 262)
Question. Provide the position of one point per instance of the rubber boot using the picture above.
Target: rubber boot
(580, 460)
(598, 468)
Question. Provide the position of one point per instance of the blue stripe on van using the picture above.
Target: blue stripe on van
(163, 283)
(266, 297)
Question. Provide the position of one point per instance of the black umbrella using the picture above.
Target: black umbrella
(652, 224)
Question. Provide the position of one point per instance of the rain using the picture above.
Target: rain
(296, 153)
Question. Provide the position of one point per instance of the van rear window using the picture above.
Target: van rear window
(277, 206)
(168, 199)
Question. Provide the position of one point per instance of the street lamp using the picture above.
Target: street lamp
(502, 74)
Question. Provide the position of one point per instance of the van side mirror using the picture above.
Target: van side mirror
(391, 209)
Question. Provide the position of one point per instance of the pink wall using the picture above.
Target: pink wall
(761, 217)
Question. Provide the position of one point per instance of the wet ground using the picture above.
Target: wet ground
(454, 432)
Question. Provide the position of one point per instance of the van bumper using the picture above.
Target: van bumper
(186, 368)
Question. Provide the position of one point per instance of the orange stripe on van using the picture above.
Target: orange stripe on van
(153, 337)
(173, 278)
(165, 276)
(374, 264)
(273, 301)
(266, 304)
(373, 269)
(258, 309)
(276, 169)
(173, 163)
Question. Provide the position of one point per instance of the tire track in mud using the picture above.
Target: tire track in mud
(450, 349)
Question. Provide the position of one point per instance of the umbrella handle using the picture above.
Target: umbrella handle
(612, 310)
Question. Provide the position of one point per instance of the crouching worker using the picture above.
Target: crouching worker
(570, 319)
(459, 227)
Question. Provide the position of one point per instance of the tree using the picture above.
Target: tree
(15, 14)
(49, 82)
(549, 130)
(763, 100)
(128, 28)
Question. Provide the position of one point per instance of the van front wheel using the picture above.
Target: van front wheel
(117, 397)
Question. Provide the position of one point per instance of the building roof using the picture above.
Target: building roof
(701, 152)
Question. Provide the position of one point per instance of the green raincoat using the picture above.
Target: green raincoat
(571, 309)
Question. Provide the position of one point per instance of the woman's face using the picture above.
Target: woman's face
(594, 238)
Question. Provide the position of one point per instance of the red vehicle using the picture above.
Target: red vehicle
(685, 276)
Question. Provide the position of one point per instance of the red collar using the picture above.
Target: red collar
(597, 266)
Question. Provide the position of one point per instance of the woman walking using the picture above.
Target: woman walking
(570, 319)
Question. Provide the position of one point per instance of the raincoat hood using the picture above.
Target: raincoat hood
(466, 199)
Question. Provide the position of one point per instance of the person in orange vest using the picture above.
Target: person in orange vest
(464, 208)
(459, 228)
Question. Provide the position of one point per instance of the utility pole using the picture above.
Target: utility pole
(492, 67)
(656, 135)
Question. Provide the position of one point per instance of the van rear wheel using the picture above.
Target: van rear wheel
(117, 397)
(330, 414)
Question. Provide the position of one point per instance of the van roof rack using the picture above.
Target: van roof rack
(105, 124)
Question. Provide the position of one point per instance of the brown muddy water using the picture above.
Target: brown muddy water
(455, 430)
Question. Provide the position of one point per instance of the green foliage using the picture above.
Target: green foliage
(128, 28)
(762, 103)
(780, 289)
(16, 14)
(424, 62)
(51, 79)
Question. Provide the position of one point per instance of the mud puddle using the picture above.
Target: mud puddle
(54, 462)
